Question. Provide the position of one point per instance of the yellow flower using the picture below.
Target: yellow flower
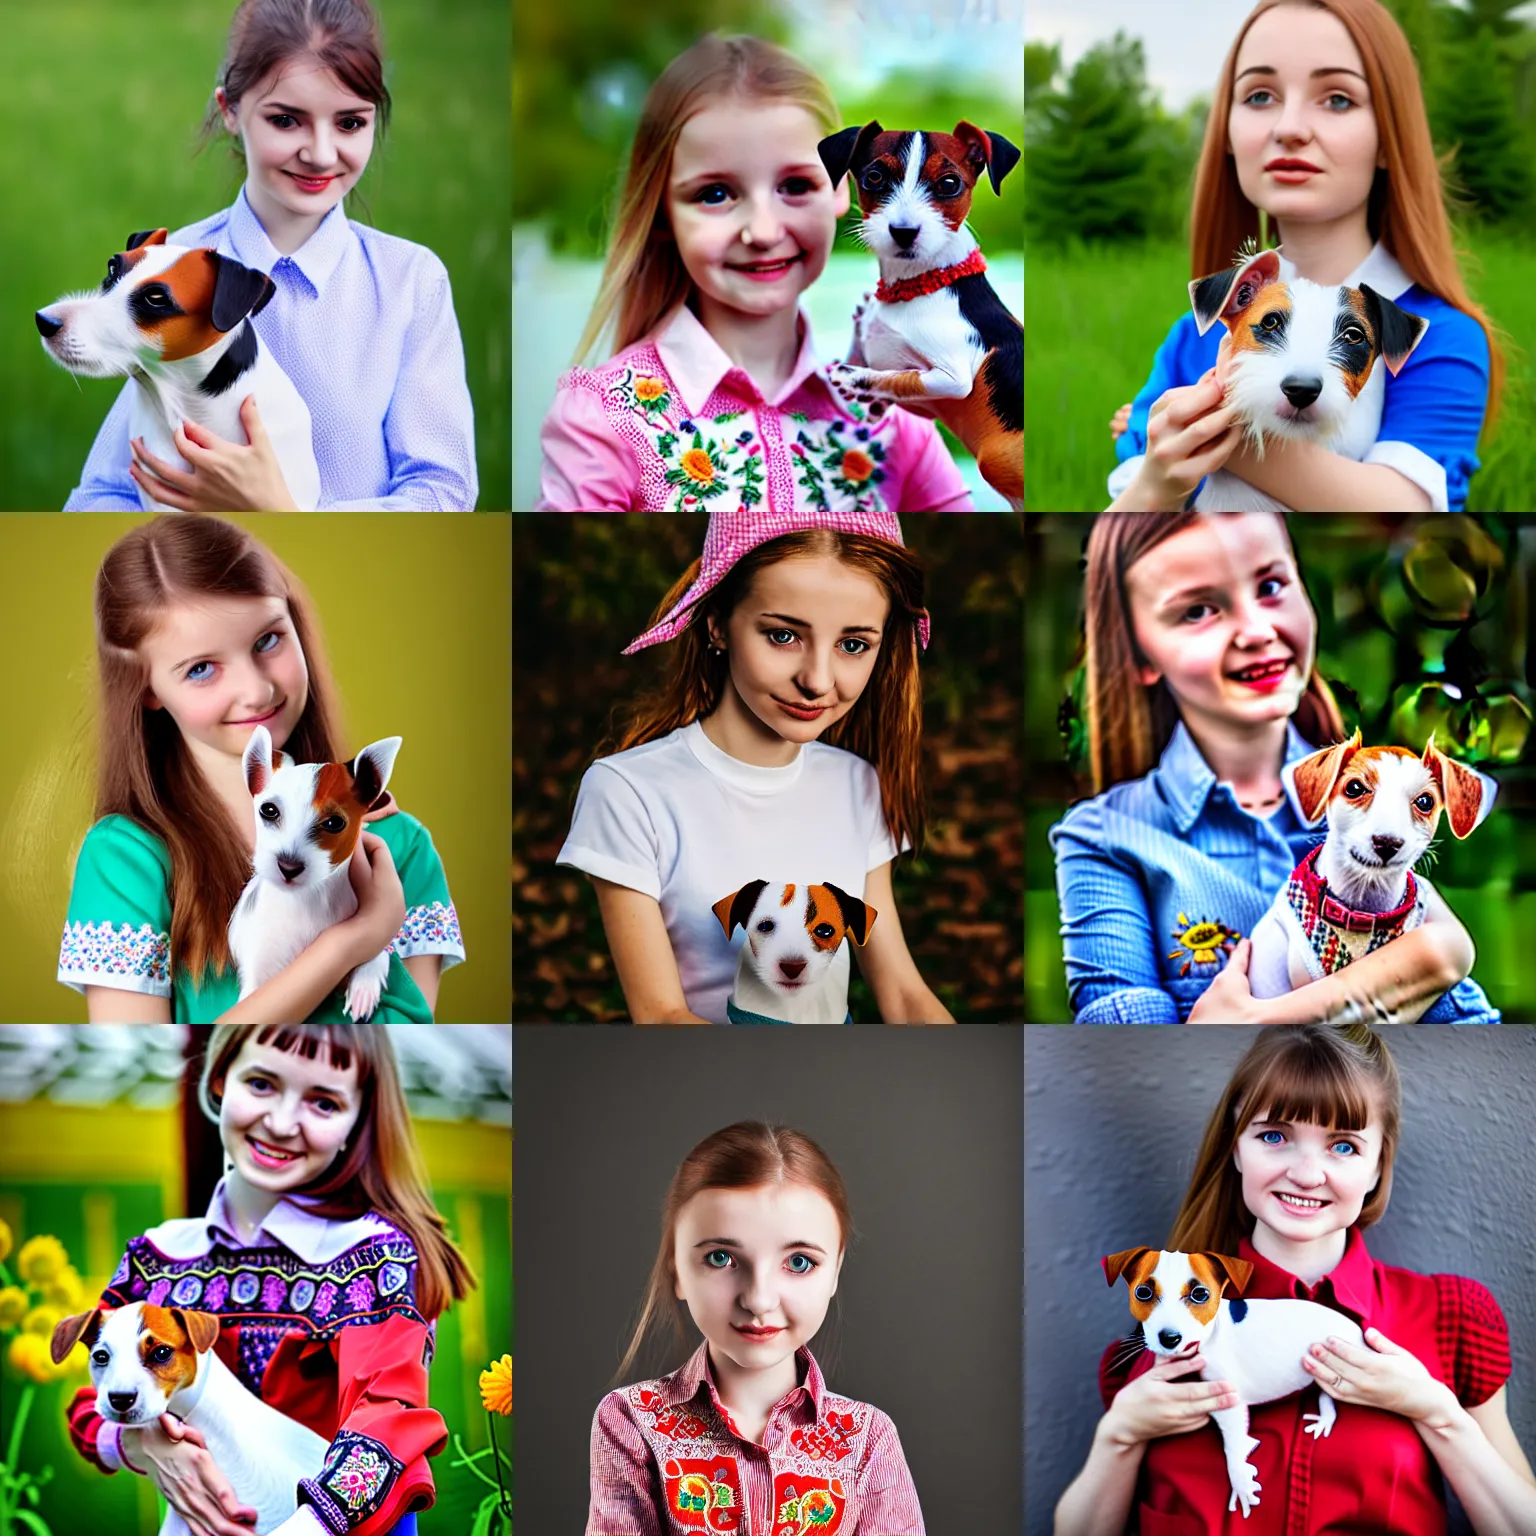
(649, 389)
(496, 1387)
(697, 466)
(41, 1260)
(66, 1292)
(42, 1321)
(28, 1355)
(5, 1241)
(13, 1306)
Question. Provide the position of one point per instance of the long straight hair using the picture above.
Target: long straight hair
(379, 1169)
(885, 725)
(145, 770)
(1336, 1075)
(1130, 723)
(747, 1155)
(1406, 210)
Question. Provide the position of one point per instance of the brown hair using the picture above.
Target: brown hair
(1129, 723)
(885, 725)
(746, 1155)
(1335, 1075)
(343, 36)
(380, 1168)
(644, 277)
(146, 771)
(1406, 210)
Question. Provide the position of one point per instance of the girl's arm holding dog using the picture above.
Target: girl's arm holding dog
(642, 955)
(886, 963)
(1310, 478)
(1190, 434)
(189, 1479)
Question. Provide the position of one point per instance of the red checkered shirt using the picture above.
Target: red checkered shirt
(666, 1459)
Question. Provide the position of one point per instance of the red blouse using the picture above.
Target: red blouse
(1373, 1476)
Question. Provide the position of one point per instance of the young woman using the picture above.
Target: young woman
(789, 629)
(726, 218)
(1318, 121)
(327, 1266)
(361, 321)
(1296, 1162)
(1202, 690)
(202, 634)
(753, 1235)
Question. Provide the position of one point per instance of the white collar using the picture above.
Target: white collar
(1380, 269)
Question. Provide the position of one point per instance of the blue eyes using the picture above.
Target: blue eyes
(1342, 1147)
(258, 1084)
(801, 1263)
(1345, 103)
(261, 648)
(804, 182)
(797, 1263)
(777, 644)
(720, 1254)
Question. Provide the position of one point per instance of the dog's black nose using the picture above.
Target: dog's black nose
(792, 968)
(47, 326)
(1168, 1338)
(903, 236)
(122, 1401)
(290, 869)
(1385, 846)
(1299, 391)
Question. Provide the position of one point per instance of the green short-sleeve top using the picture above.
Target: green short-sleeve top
(118, 932)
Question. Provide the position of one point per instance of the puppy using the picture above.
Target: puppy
(308, 819)
(1303, 363)
(792, 969)
(1355, 892)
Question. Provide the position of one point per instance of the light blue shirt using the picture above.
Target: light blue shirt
(1138, 867)
(363, 324)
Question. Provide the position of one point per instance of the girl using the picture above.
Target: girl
(362, 322)
(727, 217)
(753, 1235)
(1202, 689)
(810, 627)
(1296, 1162)
(1319, 122)
(202, 634)
(327, 1266)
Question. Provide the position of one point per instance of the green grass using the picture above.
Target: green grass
(97, 129)
(1096, 316)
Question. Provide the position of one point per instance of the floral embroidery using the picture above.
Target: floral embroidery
(245, 1289)
(218, 1289)
(273, 1293)
(360, 1294)
(99, 949)
(676, 1423)
(703, 1495)
(807, 1506)
(426, 930)
(1205, 941)
(186, 1291)
(355, 1481)
(828, 1440)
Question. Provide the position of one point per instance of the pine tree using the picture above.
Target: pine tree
(1477, 116)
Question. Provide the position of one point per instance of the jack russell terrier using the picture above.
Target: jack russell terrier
(789, 972)
(177, 321)
(1303, 363)
(1356, 891)
(148, 1360)
(308, 818)
(937, 338)
(1258, 1346)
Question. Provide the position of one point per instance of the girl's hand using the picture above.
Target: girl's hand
(226, 477)
(380, 899)
(1120, 421)
(1382, 1376)
(379, 812)
(1228, 999)
(1190, 434)
(189, 1478)
(1155, 1405)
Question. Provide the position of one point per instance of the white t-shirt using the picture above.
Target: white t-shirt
(688, 824)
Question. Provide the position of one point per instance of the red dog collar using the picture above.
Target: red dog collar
(1309, 895)
(905, 288)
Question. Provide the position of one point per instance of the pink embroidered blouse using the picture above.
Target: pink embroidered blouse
(673, 425)
(666, 1459)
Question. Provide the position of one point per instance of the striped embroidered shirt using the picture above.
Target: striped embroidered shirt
(666, 1459)
(363, 324)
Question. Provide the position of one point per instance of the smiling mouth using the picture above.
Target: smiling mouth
(276, 1153)
(271, 714)
(1300, 1202)
(766, 266)
(1261, 670)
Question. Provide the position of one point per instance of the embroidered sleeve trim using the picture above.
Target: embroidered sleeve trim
(130, 959)
(431, 929)
(354, 1482)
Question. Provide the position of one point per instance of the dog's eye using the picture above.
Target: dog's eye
(333, 824)
(823, 930)
(1425, 802)
(766, 926)
(1199, 1295)
(101, 1357)
(269, 811)
(1143, 1293)
(1354, 789)
(160, 1355)
(114, 270)
(1352, 335)
(948, 185)
(1270, 322)
(872, 179)
(156, 298)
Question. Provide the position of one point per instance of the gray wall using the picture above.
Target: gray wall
(1113, 1119)
(924, 1126)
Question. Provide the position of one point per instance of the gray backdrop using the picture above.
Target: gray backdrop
(1113, 1119)
(923, 1124)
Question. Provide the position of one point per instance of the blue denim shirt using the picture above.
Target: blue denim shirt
(1140, 866)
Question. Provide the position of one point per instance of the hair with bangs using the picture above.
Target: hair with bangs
(747, 1155)
(379, 1170)
(1336, 1075)
(1129, 723)
(885, 725)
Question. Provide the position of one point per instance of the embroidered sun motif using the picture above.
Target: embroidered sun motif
(1204, 941)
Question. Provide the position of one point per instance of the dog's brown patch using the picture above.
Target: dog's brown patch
(789, 895)
(191, 279)
(335, 794)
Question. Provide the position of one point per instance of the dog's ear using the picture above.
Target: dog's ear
(1225, 295)
(1398, 331)
(988, 150)
(1239, 1271)
(1316, 775)
(857, 918)
(847, 150)
(1465, 791)
(737, 907)
(201, 1327)
(146, 237)
(237, 292)
(72, 1330)
(256, 761)
(372, 767)
(1116, 1264)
